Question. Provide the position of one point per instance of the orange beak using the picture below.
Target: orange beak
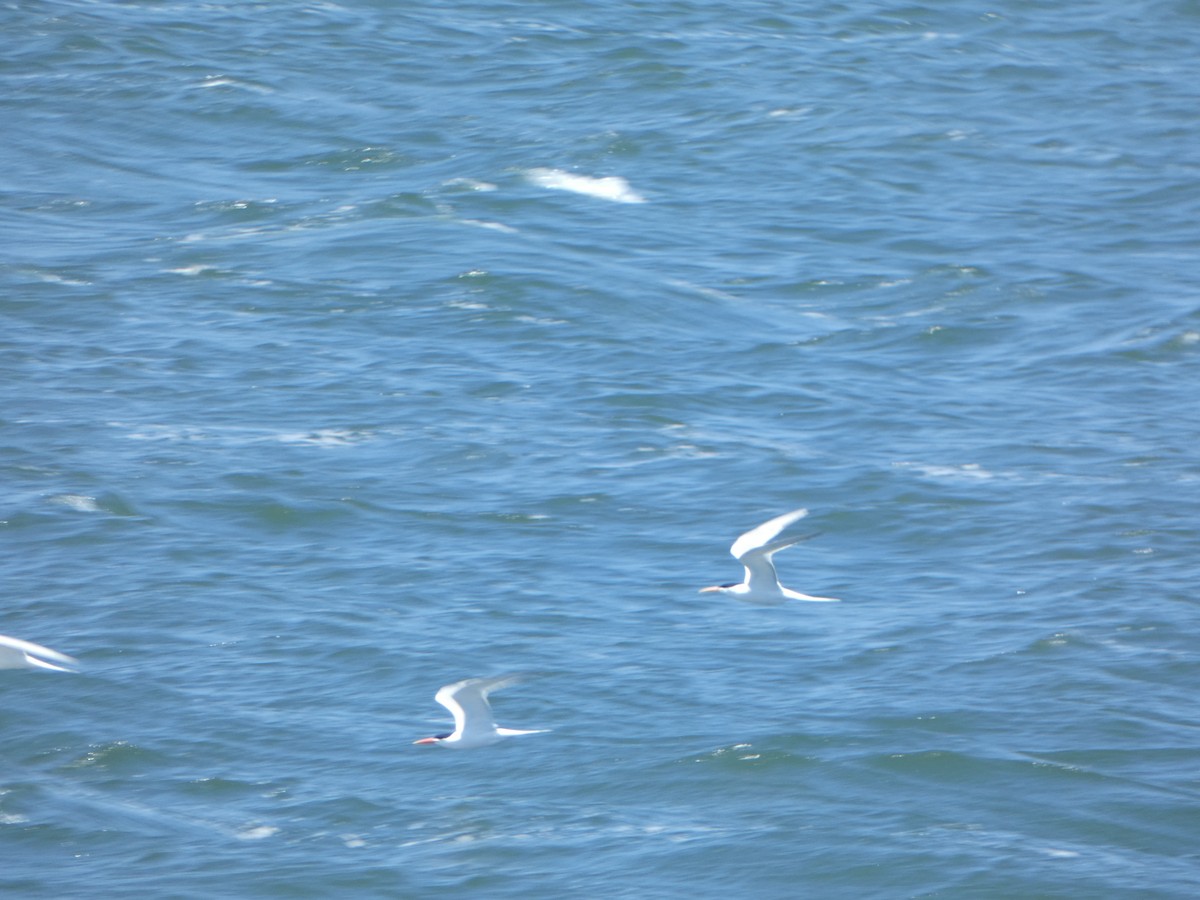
(426, 741)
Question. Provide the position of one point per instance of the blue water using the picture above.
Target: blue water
(351, 349)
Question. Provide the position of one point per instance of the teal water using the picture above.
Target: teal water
(331, 371)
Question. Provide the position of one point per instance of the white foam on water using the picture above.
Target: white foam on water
(611, 187)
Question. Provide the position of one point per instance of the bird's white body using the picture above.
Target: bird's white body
(754, 550)
(473, 722)
(18, 654)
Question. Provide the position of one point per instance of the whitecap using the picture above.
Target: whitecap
(966, 471)
(611, 187)
(257, 833)
(470, 184)
(77, 502)
(493, 226)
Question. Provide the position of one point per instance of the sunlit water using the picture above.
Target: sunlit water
(350, 349)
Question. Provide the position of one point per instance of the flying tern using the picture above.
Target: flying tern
(754, 550)
(18, 654)
(473, 722)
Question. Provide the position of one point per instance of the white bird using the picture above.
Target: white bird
(473, 722)
(754, 550)
(18, 654)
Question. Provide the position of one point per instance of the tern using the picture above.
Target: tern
(473, 722)
(754, 550)
(18, 654)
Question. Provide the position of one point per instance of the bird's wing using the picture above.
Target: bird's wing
(18, 654)
(467, 700)
(756, 538)
(758, 563)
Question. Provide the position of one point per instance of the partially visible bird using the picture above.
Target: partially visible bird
(18, 654)
(473, 722)
(754, 550)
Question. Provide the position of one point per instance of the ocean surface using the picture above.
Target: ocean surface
(349, 349)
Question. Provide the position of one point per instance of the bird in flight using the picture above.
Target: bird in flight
(473, 722)
(754, 550)
(18, 654)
